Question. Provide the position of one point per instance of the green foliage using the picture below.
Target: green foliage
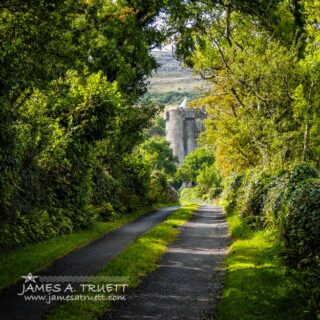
(302, 222)
(134, 183)
(158, 128)
(72, 73)
(276, 200)
(171, 97)
(255, 187)
(248, 195)
(158, 187)
(194, 162)
(39, 225)
(289, 203)
(301, 232)
(156, 152)
(300, 173)
(190, 195)
(209, 182)
(200, 170)
(231, 186)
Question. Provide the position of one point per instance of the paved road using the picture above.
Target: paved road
(85, 261)
(188, 282)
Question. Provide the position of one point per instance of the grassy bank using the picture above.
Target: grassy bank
(137, 260)
(258, 285)
(36, 256)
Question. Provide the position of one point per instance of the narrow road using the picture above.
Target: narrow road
(188, 282)
(85, 261)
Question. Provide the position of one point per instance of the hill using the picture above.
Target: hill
(171, 82)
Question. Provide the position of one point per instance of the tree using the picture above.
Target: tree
(156, 152)
(258, 81)
(209, 181)
(194, 162)
(158, 128)
(71, 75)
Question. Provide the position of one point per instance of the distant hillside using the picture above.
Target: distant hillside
(172, 82)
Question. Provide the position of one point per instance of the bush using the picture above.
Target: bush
(190, 194)
(195, 162)
(158, 187)
(106, 212)
(301, 234)
(276, 200)
(213, 193)
(106, 188)
(172, 195)
(40, 225)
(301, 229)
(300, 173)
(231, 186)
(282, 187)
(255, 187)
(290, 202)
(209, 182)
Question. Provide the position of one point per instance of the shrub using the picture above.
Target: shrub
(301, 234)
(158, 187)
(301, 229)
(300, 173)
(194, 162)
(230, 192)
(173, 195)
(290, 202)
(103, 212)
(213, 192)
(282, 187)
(106, 212)
(276, 200)
(209, 182)
(255, 189)
(190, 194)
(106, 188)
(40, 225)
(131, 200)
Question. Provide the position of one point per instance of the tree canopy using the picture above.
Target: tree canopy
(72, 73)
(261, 63)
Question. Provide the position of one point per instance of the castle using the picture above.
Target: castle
(183, 127)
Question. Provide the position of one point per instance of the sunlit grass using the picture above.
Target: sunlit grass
(258, 285)
(139, 259)
(36, 256)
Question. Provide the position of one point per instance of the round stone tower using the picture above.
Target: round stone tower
(183, 126)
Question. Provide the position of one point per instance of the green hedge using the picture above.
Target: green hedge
(301, 229)
(288, 201)
(255, 188)
(230, 194)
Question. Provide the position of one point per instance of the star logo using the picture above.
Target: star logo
(29, 278)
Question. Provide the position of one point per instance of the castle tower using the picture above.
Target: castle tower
(183, 126)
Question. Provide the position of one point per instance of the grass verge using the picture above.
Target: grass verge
(36, 256)
(137, 260)
(258, 285)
